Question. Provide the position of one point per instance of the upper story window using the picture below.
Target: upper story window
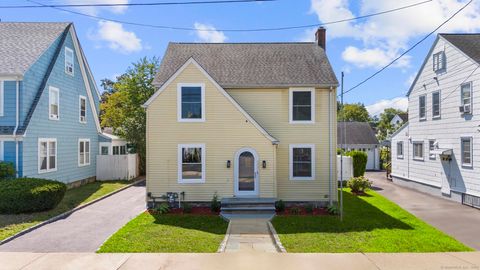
(436, 104)
(68, 61)
(439, 62)
(302, 161)
(47, 155)
(399, 149)
(191, 163)
(83, 152)
(53, 103)
(418, 150)
(467, 151)
(422, 103)
(431, 147)
(191, 102)
(302, 106)
(82, 109)
(466, 98)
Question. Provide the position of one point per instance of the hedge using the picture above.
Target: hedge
(24, 195)
(359, 159)
(7, 170)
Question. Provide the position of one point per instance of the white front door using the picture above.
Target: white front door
(246, 172)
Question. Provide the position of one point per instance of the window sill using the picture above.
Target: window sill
(191, 181)
(418, 159)
(47, 171)
(422, 119)
(399, 157)
(302, 178)
(467, 166)
(302, 122)
(191, 120)
(83, 165)
(436, 118)
(54, 119)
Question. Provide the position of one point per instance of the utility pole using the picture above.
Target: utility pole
(341, 152)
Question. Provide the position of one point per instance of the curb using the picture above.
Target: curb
(223, 245)
(62, 215)
(276, 239)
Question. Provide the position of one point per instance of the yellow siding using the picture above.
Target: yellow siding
(225, 131)
(270, 108)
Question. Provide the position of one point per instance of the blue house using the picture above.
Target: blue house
(49, 103)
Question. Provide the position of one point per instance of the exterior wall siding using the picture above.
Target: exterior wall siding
(449, 177)
(9, 103)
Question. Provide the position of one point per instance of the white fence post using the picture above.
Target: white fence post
(117, 167)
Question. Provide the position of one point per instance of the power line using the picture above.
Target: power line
(136, 4)
(408, 50)
(167, 27)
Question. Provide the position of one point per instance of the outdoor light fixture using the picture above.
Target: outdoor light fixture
(264, 164)
(228, 163)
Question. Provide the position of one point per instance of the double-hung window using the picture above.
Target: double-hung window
(82, 109)
(467, 151)
(68, 61)
(53, 103)
(466, 97)
(439, 61)
(436, 104)
(422, 103)
(83, 152)
(191, 163)
(191, 102)
(302, 161)
(431, 147)
(123, 150)
(400, 150)
(418, 150)
(302, 106)
(116, 150)
(47, 155)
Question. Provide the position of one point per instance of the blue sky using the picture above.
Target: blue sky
(358, 48)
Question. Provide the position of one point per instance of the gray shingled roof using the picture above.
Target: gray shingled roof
(468, 43)
(240, 65)
(356, 133)
(21, 44)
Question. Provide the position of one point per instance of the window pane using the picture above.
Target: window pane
(191, 171)
(302, 154)
(466, 151)
(191, 94)
(302, 98)
(302, 113)
(82, 107)
(81, 147)
(192, 110)
(246, 172)
(436, 104)
(192, 155)
(302, 106)
(43, 163)
(104, 150)
(115, 150)
(302, 162)
(465, 94)
(123, 150)
(302, 169)
(422, 106)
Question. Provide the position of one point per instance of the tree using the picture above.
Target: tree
(353, 112)
(384, 128)
(121, 107)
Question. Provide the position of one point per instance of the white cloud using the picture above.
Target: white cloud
(117, 37)
(96, 10)
(375, 57)
(378, 107)
(410, 79)
(209, 36)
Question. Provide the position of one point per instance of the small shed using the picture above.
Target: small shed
(359, 136)
(110, 144)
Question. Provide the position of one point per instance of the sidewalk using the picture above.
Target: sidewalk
(249, 235)
(213, 261)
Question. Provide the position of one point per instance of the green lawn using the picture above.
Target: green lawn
(371, 224)
(168, 233)
(12, 224)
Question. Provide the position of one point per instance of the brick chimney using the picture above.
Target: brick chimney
(320, 37)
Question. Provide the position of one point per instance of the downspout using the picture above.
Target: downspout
(330, 146)
(17, 122)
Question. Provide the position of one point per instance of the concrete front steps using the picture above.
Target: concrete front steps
(248, 208)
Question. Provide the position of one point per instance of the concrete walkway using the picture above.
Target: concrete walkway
(240, 260)
(460, 221)
(86, 229)
(249, 235)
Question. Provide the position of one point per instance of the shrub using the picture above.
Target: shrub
(359, 184)
(215, 204)
(24, 195)
(309, 208)
(187, 208)
(294, 210)
(359, 159)
(280, 206)
(333, 210)
(7, 170)
(163, 208)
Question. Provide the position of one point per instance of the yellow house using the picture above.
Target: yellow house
(253, 120)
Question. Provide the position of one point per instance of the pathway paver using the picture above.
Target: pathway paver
(250, 235)
(459, 221)
(86, 229)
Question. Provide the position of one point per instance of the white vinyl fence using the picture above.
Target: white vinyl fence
(347, 168)
(117, 167)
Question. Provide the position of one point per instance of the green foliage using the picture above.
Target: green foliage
(215, 204)
(294, 210)
(25, 195)
(186, 207)
(355, 112)
(359, 184)
(359, 159)
(121, 105)
(309, 208)
(384, 128)
(280, 206)
(163, 208)
(333, 210)
(7, 170)
(385, 157)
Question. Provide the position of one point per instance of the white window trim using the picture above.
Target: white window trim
(441, 66)
(423, 150)
(2, 151)
(290, 105)
(403, 150)
(50, 90)
(425, 108)
(89, 148)
(48, 141)
(439, 105)
(471, 95)
(67, 49)
(179, 164)
(290, 161)
(2, 98)
(467, 165)
(430, 155)
(113, 148)
(104, 144)
(80, 109)
(179, 101)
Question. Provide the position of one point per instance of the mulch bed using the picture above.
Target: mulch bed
(203, 211)
(301, 211)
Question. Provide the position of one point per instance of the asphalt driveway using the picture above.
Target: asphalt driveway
(457, 220)
(86, 229)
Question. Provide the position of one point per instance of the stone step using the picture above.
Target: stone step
(248, 208)
(229, 216)
(229, 201)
